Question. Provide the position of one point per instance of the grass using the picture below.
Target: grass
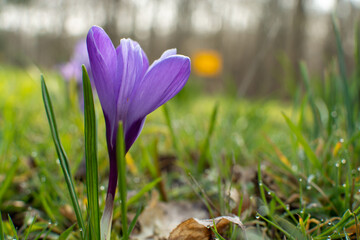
(290, 169)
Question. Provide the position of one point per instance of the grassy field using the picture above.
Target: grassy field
(288, 169)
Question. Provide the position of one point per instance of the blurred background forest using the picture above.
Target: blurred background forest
(259, 42)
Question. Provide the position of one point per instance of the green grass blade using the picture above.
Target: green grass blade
(66, 233)
(1, 228)
(290, 228)
(206, 146)
(91, 157)
(133, 222)
(144, 190)
(29, 229)
(13, 228)
(276, 226)
(121, 164)
(61, 154)
(310, 94)
(308, 151)
(218, 236)
(342, 68)
(339, 225)
(9, 176)
(357, 48)
(265, 210)
(171, 129)
(40, 234)
(282, 204)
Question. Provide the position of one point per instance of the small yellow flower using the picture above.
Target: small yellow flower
(207, 63)
(337, 148)
(131, 164)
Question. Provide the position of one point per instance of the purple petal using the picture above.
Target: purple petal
(103, 62)
(68, 71)
(168, 53)
(133, 132)
(163, 81)
(134, 63)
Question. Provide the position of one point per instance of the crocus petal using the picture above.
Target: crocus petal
(162, 82)
(133, 132)
(68, 71)
(133, 61)
(103, 62)
(168, 53)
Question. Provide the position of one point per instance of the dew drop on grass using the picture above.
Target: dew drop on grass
(287, 207)
(257, 216)
(300, 179)
(343, 161)
(58, 161)
(337, 165)
(269, 193)
(344, 185)
(358, 169)
(341, 140)
(102, 188)
(308, 187)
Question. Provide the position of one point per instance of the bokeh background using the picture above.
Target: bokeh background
(253, 45)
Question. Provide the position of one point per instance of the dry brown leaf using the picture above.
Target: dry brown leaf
(159, 218)
(67, 211)
(194, 228)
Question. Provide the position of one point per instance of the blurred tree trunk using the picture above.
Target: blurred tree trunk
(264, 52)
(110, 26)
(298, 39)
(183, 26)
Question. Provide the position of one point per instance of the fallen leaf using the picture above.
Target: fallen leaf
(194, 228)
(159, 218)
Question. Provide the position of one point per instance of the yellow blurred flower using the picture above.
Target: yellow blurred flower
(207, 63)
(131, 164)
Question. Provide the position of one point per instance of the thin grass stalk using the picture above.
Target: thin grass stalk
(62, 155)
(343, 75)
(171, 129)
(2, 237)
(206, 146)
(91, 158)
(310, 94)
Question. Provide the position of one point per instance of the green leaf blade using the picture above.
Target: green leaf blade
(64, 163)
(91, 157)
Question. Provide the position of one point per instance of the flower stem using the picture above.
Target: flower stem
(121, 163)
(105, 224)
(106, 219)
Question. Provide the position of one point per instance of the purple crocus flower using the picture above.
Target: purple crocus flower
(72, 69)
(129, 89)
